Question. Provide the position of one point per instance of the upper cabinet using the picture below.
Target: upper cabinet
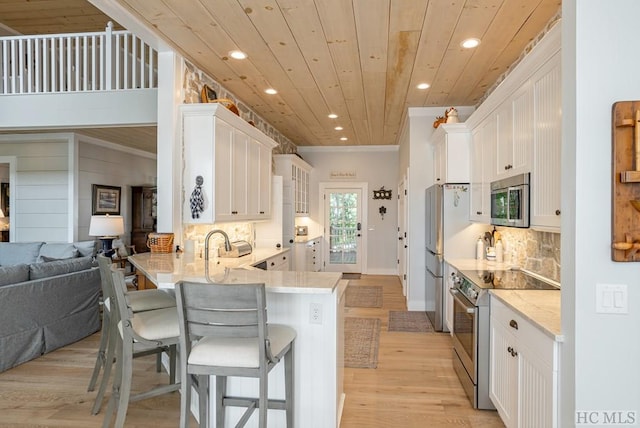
(227, 166)
(514, 121)
(295, 171)
(518, 130)
(545, 174)
(451, 153)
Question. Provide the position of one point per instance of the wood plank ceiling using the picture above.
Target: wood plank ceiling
(359, 59)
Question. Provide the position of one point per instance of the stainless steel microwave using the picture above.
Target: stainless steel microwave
(510, 201)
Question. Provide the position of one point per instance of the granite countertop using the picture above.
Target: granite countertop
(540, 307)
(165, 270)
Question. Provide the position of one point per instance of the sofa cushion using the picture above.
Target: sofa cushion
(86, 248)
(59, 267)
(15, 253)
(14, 274)
(49, 252)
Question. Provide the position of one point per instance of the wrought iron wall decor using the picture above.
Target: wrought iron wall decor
(382, 193)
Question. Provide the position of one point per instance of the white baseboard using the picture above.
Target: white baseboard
(381, 272)
(416, 306)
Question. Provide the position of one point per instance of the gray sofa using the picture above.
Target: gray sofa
(48, 298)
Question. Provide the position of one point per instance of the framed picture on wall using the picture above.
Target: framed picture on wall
(105, 200)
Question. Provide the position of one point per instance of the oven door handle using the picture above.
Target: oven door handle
(468, 309)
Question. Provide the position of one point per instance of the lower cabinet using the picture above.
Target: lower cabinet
(523, 381)
(280, 262)
(308, 255)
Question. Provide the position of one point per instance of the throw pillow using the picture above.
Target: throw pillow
(14, 274)
(15, 253)
(86, 248)
(57, 251)
(59, 267)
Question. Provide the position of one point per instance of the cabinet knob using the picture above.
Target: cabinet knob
(513, 324)
(273, 263)
(479, 212)
(557, 212)
(437, 179)
(290, 241)
(261, 212)
(234, 212)
(284, 258)
(512, 351)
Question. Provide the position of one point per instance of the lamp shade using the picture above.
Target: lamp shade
(106, 225)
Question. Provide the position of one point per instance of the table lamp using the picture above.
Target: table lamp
(107, 227)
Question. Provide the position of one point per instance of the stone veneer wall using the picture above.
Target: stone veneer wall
(236, 232)
(532, 250)
(194, 79)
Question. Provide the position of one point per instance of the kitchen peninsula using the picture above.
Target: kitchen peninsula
(319, 354)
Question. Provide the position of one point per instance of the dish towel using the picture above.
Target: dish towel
(197, 199)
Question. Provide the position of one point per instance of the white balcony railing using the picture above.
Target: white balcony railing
(102, 61)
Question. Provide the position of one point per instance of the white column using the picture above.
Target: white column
(170, 95)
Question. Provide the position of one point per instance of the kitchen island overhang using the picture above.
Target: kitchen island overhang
(319, 350)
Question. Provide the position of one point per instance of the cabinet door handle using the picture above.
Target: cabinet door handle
(512, 351)
(513, 324)
(261, 212)
(234, 212)
(557, 212)
(479, 212)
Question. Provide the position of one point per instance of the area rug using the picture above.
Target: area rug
(413, 321)
(361, 340)
(346, 275)
(364, 296)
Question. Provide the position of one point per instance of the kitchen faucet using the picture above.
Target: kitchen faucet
(227, 243)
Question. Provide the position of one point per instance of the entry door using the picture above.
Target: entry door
(344, 229)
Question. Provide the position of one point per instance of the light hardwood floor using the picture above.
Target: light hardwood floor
(414, 384)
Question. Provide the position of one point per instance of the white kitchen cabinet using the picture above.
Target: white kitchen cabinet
(514, 120)
(308, 255)
(483, 160)
(295, 181)
(280, 262)
(451, 143)
(523, 370)
(545, 177)
(234, 160)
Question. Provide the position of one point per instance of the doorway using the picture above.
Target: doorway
(7, 172)
(345, 237)
(402, 235)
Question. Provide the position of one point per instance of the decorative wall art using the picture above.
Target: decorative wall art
(382, 193)
(105, 199)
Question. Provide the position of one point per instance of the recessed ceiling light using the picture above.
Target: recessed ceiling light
(333, 116)
(238, 55)
(423, 86)
(470, 43)
(271, 91)
(338, 128)
(343, 138)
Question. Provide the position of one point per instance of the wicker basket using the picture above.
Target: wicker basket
(160, 242)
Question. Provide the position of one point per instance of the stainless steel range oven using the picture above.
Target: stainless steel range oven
(471, 318)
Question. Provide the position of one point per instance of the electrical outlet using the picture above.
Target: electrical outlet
(315, 313)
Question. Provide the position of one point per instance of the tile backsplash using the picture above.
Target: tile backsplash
(533, 250)
(236, 232)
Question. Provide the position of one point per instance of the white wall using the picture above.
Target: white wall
(377, 166)
(112, 165)
(601, 354)
(51, 193)
(416, 156)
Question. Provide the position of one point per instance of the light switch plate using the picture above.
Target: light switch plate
(611, 299)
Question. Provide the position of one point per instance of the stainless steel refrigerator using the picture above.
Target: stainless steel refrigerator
(449, 234)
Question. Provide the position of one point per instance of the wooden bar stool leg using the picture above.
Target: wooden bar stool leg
(289, 370)
(221, 391)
